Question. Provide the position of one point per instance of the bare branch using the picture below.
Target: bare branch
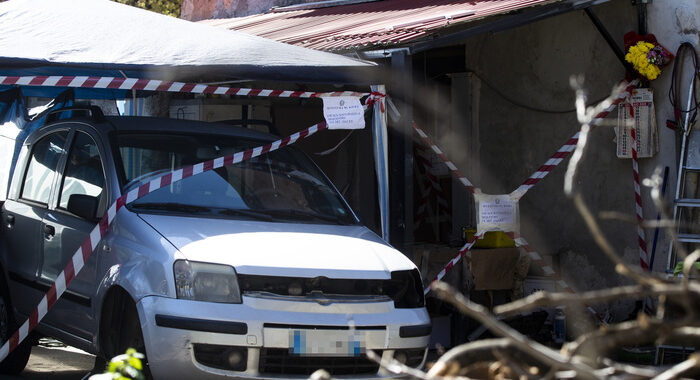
(629, 369)
(514, 355)
(544, 299)
(539, 352)
(639, 332)
(320, 374)
(468, 352)
(512, 364)
(656, 182)
(680, 368)
(689, 265)
(623, 268)
(632, 219)
(397, 368)
(586, 117)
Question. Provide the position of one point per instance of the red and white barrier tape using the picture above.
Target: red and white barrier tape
(462, 251)
(641, 237)
(114, 83)
(84, 252)
(450, 165)
(568, 147)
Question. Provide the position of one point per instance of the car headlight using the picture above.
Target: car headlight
(206, 282)
(406, 289)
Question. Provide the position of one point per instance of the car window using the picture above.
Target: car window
(83, 174)
(42, 167)
(281, 185)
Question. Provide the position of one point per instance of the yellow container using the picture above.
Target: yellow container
(493, 239)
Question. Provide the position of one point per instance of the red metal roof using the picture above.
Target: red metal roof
(370, 25)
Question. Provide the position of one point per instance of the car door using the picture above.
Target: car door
(83, 175)
(24, 212)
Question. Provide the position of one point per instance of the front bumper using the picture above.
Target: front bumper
(264, 330)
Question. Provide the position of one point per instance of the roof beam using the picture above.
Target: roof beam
(505, 23)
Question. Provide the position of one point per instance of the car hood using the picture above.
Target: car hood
(282, 249)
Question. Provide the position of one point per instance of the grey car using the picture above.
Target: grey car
(253, 270)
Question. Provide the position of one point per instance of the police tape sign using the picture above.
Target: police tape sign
(343, 112)
(497, 213)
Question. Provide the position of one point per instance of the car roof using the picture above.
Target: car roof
(140, 124)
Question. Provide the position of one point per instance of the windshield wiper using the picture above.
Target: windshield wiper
(171, 206)
(259, 215)
(306, 215)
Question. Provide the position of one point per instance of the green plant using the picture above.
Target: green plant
(124, 367)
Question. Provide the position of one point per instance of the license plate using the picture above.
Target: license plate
(325, 343)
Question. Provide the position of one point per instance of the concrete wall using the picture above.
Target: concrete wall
(195, 10)
(532, 64)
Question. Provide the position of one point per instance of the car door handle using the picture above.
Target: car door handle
(49, 230)
(10, 220)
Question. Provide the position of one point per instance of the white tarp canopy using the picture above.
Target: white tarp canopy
(105, 38)
(91, 37)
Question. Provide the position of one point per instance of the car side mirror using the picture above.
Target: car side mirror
(84, 206)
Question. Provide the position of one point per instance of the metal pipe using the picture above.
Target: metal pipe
(642, 17)
(609, 39)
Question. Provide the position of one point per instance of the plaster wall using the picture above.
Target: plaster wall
(672, 22)
(532, 64)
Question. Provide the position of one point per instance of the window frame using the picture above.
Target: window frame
(60, 180)
(56, 171)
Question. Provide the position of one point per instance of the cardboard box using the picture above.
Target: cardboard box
(494, 269)
(432, 258)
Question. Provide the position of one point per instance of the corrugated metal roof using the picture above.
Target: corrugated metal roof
(369, 25)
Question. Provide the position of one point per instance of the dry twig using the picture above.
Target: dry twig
(545, 299)
(515, 355)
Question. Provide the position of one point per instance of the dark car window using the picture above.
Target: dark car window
(83, 173)
(280, 185)
(42, 167)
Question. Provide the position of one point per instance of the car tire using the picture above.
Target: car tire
(122, 330)
(18, 358)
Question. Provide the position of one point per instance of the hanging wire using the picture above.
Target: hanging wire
(518, 104)
(674, 92)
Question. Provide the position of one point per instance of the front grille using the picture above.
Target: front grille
(281, 361)
(404, 287)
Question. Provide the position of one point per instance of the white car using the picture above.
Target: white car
(254, 270)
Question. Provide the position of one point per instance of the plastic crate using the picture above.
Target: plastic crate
(492, 239)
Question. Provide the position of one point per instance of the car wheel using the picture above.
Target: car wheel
(17, 360)
(122, 330)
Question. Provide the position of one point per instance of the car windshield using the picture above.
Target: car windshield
(283, 185)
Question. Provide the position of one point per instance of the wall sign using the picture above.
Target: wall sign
(497, 212)
(343, 112)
